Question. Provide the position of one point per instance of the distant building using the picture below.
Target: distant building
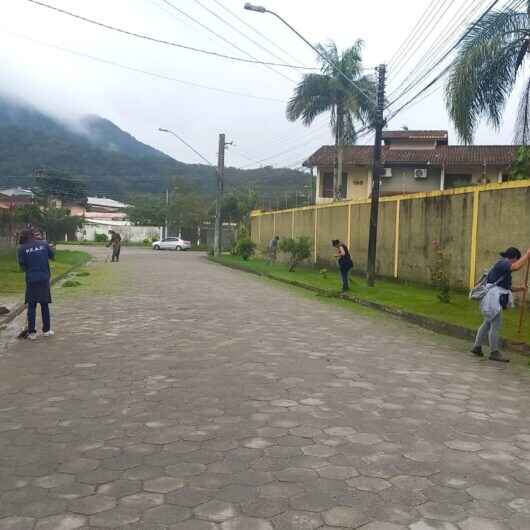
(13, 197)
(105, 209)
(414, 161)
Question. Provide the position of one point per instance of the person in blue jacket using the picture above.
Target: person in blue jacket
(34, 258)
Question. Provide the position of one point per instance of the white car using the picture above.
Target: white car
(172, 243)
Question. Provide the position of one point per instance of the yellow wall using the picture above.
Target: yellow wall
(472, 225)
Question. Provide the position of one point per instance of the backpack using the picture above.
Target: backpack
(481, 287)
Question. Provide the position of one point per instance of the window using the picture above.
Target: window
(458, 180)
(326, 190)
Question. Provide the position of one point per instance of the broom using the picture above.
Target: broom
(523, 302)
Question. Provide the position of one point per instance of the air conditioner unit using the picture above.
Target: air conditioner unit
(420, 173)
(387, 173)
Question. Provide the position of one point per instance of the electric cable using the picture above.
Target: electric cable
(160, 41)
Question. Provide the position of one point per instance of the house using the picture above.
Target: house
(414, 162)
(13, 197)
(104, 209)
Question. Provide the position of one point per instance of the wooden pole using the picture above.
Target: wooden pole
(523, 303)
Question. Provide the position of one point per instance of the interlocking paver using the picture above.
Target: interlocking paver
(194, 397)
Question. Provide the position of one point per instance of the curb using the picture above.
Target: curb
(443, 328)
(18, 309)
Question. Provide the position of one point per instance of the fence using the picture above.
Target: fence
(472, 225)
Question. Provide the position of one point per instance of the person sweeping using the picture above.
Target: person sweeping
(495, 293)
(34, 257)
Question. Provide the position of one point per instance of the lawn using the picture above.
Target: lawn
(12, 280)
(413, 298)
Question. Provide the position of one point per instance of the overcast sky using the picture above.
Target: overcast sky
(69, 85)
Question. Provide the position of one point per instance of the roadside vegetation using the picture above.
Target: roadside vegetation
(413, 298)
(12, 278)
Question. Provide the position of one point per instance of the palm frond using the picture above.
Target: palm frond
(351, 60)
(328, 50)
(522, 135)
(312, 96)
(485, 70)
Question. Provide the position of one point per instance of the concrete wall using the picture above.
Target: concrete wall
(135, 234)
(502, 220)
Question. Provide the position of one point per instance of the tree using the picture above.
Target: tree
(328, 91)
(57, 222)
(484, 73)
(297, 249)
(49, 185)
(521, 166)
(147, 210)
(187, 211)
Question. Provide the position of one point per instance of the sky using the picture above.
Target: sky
(67, 85)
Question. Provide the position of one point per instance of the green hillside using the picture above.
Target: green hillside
(111, 160)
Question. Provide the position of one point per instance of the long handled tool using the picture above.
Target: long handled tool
(523, 302)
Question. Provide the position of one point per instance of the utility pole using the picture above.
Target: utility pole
(376, 176)
(217, 241)
(166, 234)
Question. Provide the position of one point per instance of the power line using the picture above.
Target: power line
(445, 36)
(439, 18)
(418, 33)
(440, 61)
(140, 71)
(360, 134)
(161, 41)
(219, 36)
(411, 34)
(262, 35)
(238, 31)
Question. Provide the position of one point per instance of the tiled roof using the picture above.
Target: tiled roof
(443, 155)
(415, 135)
(17, 192)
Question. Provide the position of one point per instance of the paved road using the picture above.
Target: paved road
(200, 398)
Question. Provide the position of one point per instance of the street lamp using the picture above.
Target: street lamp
(257, 9)
(323, 56)
(169, 131)
(379, 123)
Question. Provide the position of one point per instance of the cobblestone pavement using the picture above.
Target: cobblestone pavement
(201, 398)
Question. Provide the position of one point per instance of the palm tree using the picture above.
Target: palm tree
(328, 91)
(485, 71)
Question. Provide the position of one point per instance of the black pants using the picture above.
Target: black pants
(116, 253)
(344, 273)
(32, 314)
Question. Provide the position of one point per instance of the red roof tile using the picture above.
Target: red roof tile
(443, 155)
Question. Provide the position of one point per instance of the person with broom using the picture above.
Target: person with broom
(498, 297)
(34, 257)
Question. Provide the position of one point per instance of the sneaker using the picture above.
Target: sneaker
(499, 357)
(477, 350)
(32, 336)
(49, 333)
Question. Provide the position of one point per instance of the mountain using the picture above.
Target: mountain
(112, 161)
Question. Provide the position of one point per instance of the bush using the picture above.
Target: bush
(101, 238)
(245, 248)
(146, 242)
(440, 273)
(298, 250)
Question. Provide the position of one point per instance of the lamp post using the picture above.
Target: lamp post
(378, 126)
(217, 213)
